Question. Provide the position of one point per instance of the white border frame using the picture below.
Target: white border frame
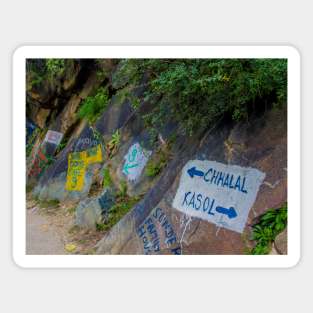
(155, 261)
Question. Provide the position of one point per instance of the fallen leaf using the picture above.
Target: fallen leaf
(70, 247)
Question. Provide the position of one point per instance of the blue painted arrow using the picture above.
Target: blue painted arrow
(127, 166)
(194, 172)
(231, 212)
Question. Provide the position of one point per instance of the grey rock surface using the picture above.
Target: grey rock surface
(94, 210)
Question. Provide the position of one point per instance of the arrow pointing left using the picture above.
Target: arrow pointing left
(126, 167)
(194, 172)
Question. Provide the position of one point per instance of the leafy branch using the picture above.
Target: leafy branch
(273, 222)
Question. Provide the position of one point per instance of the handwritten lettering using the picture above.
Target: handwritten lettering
(135, 161)
(148, 232)
(218, 193)
(77, 164)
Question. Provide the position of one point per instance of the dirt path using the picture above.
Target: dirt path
(51, 229)
(41, 236)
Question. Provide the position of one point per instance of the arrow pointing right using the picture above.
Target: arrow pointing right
(231, 212)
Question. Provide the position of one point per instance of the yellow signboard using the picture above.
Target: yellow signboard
(77, 164)
(76, 171)
(94, 155)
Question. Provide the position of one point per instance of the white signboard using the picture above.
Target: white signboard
(135, 161)
(219, 193)
(53, 137)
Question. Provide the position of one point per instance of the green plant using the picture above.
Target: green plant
(116, 138)
(55, 67)
(135, 103)
(31, 141)
(101, 227)
(92, 107)
(39, 70)
(122, 193)
(156, 164)
(107, 180)
(153, 169)
(49, 203)
(96, 134)
(29, 188)
(62, 145)
(113, 144)
(35, 72)
(29, 148)
(35, 80)
(123, 203)
(102, 71)
(122, 206)
(35, 197)
(50, 160)
(197, 92)
(71, 210)
(270, 224)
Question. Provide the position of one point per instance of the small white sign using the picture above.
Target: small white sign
(53, 137)
(135, 161)
(219, 193)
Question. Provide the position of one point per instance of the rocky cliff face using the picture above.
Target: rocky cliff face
(163, 194)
